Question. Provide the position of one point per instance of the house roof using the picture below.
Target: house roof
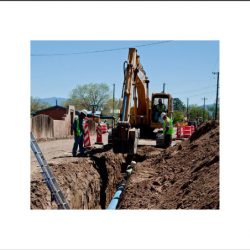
(56, 106)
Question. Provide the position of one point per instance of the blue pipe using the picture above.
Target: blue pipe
(114, 202)
(124, 105)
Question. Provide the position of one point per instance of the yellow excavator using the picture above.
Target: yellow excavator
(143, 117)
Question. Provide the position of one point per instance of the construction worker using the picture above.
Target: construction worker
(78, 128)
(159, 109)
(168, 129)
(129, 170)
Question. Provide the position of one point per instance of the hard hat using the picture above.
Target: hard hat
(85, 112)
(129, 166)
(133, 163)
(163, 114)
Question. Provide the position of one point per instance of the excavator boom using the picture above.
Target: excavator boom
(124, 138)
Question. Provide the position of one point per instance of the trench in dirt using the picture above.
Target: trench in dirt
(87, 183)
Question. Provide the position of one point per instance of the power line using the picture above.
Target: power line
(192, 90)
(209, 87)
(99, 51)
(203, 88)
(197, 95)
(188, 81)
(212, 71)
(211, 96)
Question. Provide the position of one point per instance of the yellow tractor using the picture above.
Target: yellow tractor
(144, 116)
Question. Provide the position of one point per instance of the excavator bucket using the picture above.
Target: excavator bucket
(125, 139)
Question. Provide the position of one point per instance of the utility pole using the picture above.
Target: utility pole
(113, 123)
(113, 99)
(164, 87)
(218, 73)
(187, 108)
(204, 109)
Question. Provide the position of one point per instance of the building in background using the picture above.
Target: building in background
(55, 121)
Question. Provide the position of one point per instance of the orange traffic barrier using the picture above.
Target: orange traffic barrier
(187, 131)
(178, 132)
(99, 134)
(87, 141)
(104, 128)
(192, 129)
(182, 129)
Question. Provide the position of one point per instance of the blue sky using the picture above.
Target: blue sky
(184, 66)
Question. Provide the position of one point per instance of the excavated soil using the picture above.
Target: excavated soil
(185, 176)
(87, 183)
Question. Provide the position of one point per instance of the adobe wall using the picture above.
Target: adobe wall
(42, 126)
(63, 127)
(60, 128)
(70, 108)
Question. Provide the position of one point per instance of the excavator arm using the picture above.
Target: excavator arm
(125, 138)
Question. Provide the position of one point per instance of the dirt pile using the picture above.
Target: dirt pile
(87, 183)
(185, 176)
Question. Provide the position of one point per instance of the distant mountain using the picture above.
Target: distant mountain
(52, 100)
(208, 105)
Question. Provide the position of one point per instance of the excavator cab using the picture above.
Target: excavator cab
(160, 103)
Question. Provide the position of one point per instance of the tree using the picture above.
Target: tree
(37, 104)
(178, 116)
(211, 110)
(178, 105)
(108, 106)
(89, 94)
(194, 110)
